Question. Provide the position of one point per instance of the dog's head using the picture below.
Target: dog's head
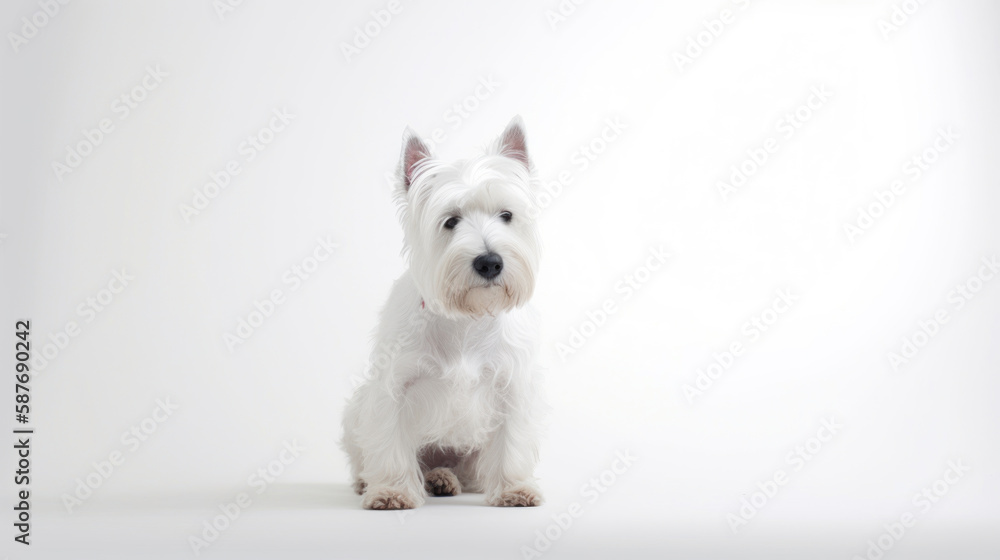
(469, 227)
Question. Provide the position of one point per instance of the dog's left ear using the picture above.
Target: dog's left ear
(513, 143)
(414, 152)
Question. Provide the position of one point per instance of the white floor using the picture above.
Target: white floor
(669, 500)
(324, 521)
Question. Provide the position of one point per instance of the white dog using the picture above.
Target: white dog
(452, 396)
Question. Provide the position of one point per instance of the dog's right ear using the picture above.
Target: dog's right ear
(414, 152)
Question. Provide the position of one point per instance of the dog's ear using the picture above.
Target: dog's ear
(513, 143)
(414, 152)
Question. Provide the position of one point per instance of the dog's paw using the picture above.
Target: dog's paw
(442, 482)
(518, 496)
(359, 486)
(385, 497)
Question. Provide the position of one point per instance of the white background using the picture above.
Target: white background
(655, 185)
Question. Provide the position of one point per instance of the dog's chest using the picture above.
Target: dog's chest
(460, 416)
(465, 372)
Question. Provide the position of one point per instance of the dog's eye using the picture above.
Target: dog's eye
(506, 216)
(451, 222)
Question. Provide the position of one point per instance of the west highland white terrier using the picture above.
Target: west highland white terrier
(451, 401)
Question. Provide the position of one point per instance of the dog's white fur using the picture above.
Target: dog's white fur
(452, 397)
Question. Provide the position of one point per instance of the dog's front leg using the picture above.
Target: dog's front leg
(389, 452)
(506, 465)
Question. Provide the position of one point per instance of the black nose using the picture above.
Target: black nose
(488, 265)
